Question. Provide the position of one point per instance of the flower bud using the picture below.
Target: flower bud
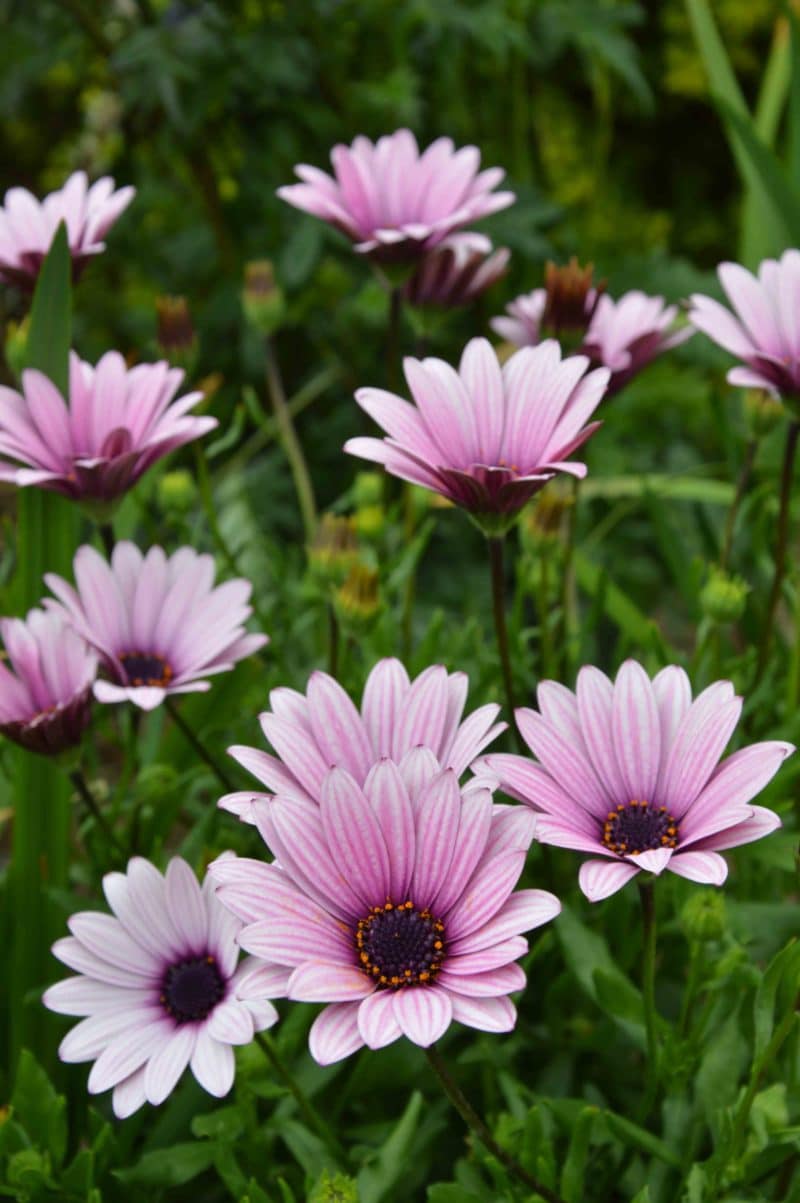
(542, 521)
(723, 598)
(16, 346)
(28, 1171)
(570, 297)
(370, 521)
(703, 916)
(177, 491)
(262, 298)
(368, 488)
(175, 335)
(338, 1189)
(334, 549)
(763, 410)
(357, 600)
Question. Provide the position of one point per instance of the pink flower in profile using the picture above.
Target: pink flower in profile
(157, 987)
(623, 336)
(27, 226)
(456, 271)
(95, 445)
(312, 732)
(393, 903)
(393, 202)
(763, 331)
(630, 772)
(158, 623)
(45, 702)
(484, 437)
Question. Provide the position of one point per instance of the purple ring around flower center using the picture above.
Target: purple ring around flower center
(400, 946)
(639, 827)
(146, 668)
(191, 989)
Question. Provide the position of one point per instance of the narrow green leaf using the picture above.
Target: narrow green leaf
(639, 1138)
(785, 966)
(573, 1171)
(640, 630)
(794, 101)
(170, 1167)
(377, 1181)
(50, 330)
(784, 199)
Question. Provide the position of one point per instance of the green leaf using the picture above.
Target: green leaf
(794, 100)
(450, 1192)
(39, 1107)
(639, 1138)
(642, 1196)
(50, 329)
(574, 1168)
(784, 199)
(620, 999)
(170, 1167)
(376, 1181)
(724, 1059)
(640, 630)
(654, 484)
(785, 966)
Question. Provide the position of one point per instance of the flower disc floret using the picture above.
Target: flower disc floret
(400, 946)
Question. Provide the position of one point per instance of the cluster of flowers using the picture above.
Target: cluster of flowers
(392, 894)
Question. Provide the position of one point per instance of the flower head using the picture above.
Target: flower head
(762, 332)
(424, 926)
(623, 336)
(484, 437)
(157, 985)
(630, 771)
(158, 623)
(456, 271)
(45, 702)
(27, 226)
(393, 202)
(95, 445)
(311, 732)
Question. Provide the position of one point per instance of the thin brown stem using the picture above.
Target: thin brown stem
(90, 802)
(782, 539)
(479, 1128)
(306, 1108)
(198, 747)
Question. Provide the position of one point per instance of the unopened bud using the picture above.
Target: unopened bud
(334, 548)
(368, 488)
(357, 600)
(16, 346)
(336, 1189)
(175, 336)
(177, 491)
(764, 411)
(262, 297)
(723, 598)
(570, 297)
(542, 521)
(370, 521)
(703, 916)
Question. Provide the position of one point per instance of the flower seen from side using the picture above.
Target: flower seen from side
(158, 623)
(456, 271)
(156, 987)
(630, 772)
(422, 927)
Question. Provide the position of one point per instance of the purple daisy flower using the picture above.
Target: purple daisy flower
(27, 226)
(763, 330)
(486, 437)
(95, 445)
(630, 771)
(393, 202)
(158, 623)
(45, 702)
(158, 987)
(423, 929)
(456, 272)
(312, 732)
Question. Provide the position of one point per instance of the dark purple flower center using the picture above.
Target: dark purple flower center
(638, 827)
(144, 668)
(400, 946)
(191, 989)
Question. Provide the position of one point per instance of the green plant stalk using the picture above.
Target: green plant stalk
(647, 899)
(741, 488)
(80, 783)
(543, 606)
(756, 1074)
(568, 603)
(496, 545)
(782, 538)
(198, 746)
(291, 444)
(306, 1108)
(47, 529)
(479, 1128)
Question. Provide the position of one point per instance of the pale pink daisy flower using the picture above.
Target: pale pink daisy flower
(763, 332)
(158, 987)
(423, 928)
(486, 437)
(630, 771)
(393, 202)
(158, 623)
(27, 226)
(46, 694)
(94, 445)
(314, 731)
(456, 272)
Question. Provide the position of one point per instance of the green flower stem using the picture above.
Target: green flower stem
(333, 640)
(780, 548)
(107, 536)
(568, 606)
(291, 443)
(203, 752)
(90, 802)
(479, 1129)
(742, 482)
(757, 1072)
(306, 1108)
(693, 980)
(543, 606)
(647, 898)
(496, 547)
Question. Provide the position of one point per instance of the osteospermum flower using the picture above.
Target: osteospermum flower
(630, 772)
(623, 336)
(456, 272)
(46, 694)
(95, 445)
(563, 307)
(157, 986)
(27, 226)
(763, 331)
(312, 732)
(393, 202)
(486, 438)
(158, 623)
(423, 928)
